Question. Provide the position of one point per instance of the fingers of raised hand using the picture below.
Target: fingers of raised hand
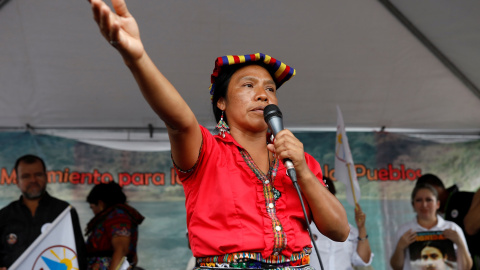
(360, 220)
(114, 37)
(96, 6)
(120, 7)
(360, 216)
(106, 19)
(358, 210)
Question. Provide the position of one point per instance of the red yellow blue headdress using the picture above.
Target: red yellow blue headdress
(281, 71)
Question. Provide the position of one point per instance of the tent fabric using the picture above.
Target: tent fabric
(57, 72)
(452, 28)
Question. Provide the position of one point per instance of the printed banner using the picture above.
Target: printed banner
(386, 165)
(54, 249)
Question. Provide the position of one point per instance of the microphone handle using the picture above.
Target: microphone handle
(275, 124)
(290, 170)
(288, 164)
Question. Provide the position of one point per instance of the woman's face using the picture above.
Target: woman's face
(251, 88)
(96, 208)
(425, 204)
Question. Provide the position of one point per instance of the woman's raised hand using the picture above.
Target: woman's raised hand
(119, 28)
(360, 217)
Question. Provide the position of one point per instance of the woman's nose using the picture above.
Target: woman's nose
(261, 95)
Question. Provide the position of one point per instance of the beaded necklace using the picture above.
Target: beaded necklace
(271, 195)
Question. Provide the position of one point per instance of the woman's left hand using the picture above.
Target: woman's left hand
(452, 235)
(287, 146)
(360, 217)
(463, 256)
(328, 213)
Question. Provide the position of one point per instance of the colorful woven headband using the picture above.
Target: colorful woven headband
(282, 72)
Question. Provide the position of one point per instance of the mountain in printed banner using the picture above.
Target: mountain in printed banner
(432, 251)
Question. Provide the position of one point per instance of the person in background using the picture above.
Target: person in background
(191, 261)
(425, 203)
(113, 231)
(241, 207)
(354, 253)
(461, 207)
(22, 220)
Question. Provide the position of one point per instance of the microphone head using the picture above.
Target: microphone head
(273, 117)
(270, 111)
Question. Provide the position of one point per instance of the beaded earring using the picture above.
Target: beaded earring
(222, 127)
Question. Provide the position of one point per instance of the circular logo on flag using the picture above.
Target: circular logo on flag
(454, 213)
(56, 258)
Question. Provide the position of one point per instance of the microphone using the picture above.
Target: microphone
(273, 117)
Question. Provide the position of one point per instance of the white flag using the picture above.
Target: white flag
(54, 249)
(344, 166)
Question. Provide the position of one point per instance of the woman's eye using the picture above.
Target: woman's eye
(271, 89)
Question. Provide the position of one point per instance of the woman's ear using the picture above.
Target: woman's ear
(221, 104)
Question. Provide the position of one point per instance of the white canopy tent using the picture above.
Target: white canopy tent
(60, 77)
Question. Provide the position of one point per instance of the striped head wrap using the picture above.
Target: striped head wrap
(282, 72)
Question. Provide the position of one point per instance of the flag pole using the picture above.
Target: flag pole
(351, 184)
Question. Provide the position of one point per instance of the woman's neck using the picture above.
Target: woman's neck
(249, 140)
(256, 146)
(427, 223)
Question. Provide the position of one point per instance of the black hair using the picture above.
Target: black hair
(109, 193)
(330, 185)
(29, 159)
(430, 179)
(223, 79)
(437, 245)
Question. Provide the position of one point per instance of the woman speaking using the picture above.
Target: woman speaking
(242, 209)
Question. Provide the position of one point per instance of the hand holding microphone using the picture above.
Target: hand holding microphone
(274, 118)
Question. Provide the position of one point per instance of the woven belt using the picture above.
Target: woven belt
(254, 264)
(303, 267)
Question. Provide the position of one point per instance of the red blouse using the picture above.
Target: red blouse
(227, 206)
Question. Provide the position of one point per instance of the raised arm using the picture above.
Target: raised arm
(363, 245)
(121, 30)
(328, 213)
